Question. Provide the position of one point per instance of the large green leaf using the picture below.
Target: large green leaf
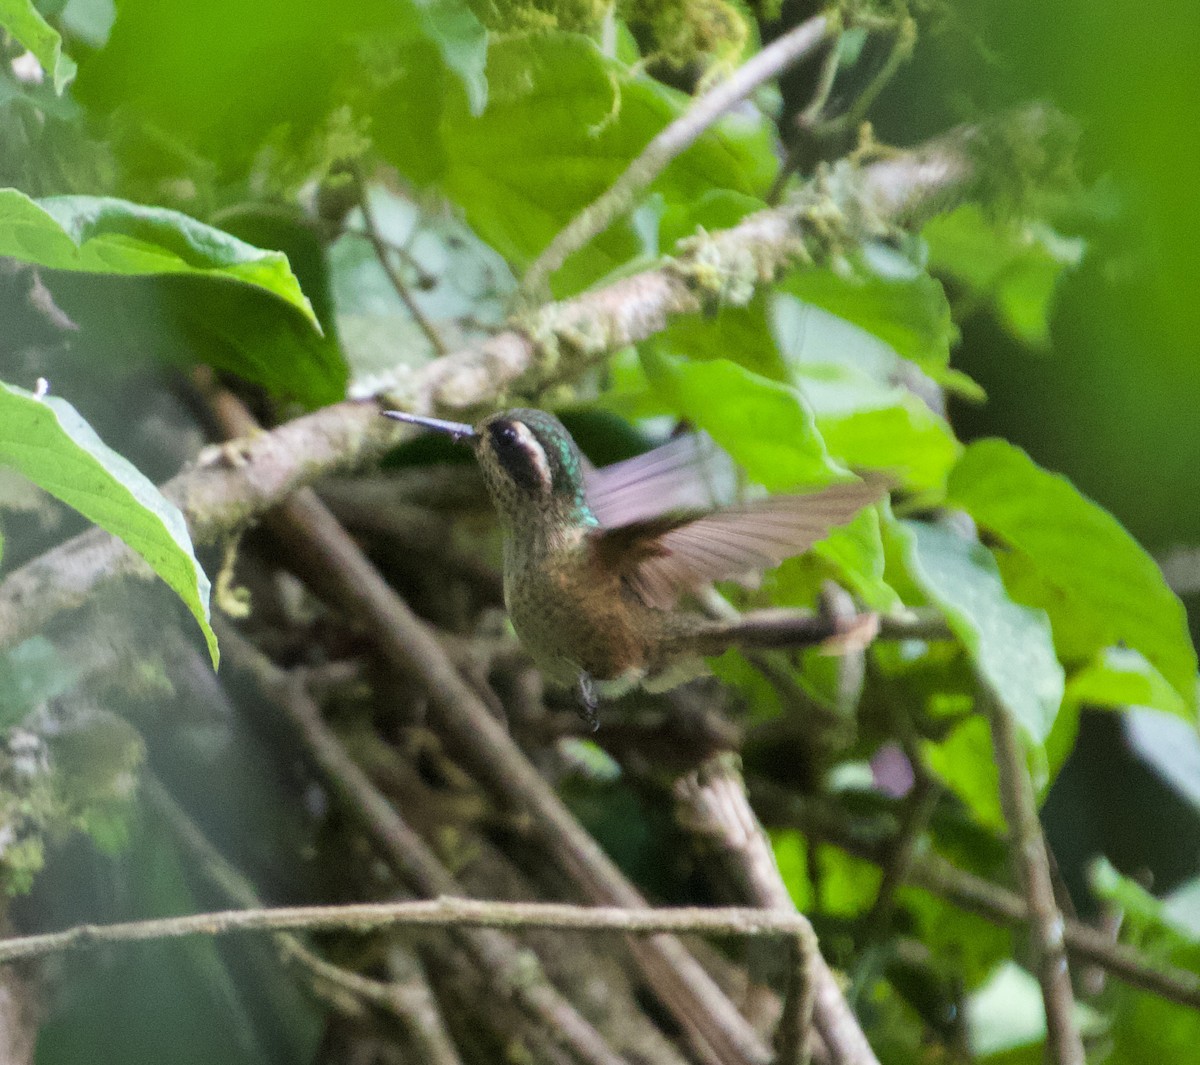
(741, 334)
(902, 306)
(1016, 266)
(868, 424)
(1010, 644)
(1063, 553)
(460, 39)
(849, 378)
(25, 23)
(100, 235)
(1121, 678)
(184, 321)
(562, 123)
(148, 283)
(763, 424)
(46, 440)
(855, 550)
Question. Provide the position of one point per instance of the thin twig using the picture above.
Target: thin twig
(820, 98)
(814, 134)
(382, 254)
(805, 120)
(446, 911)
(1064, 1044)
(671, 142)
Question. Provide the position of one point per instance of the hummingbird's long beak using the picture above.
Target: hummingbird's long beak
(458, 430)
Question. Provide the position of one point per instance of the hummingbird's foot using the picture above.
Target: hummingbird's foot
(589, 703)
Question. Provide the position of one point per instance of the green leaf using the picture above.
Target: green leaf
(852, 554)
(184, 321)
(47, 441)
(741, 334)
(866, 418)
(866, 424)
(296, 69)
(848, 885)
(562, 124)
(1063, 553)
(25, 23)
(1016, 266)
(763, 424)
(1010, 644)
(855, 551)
(901, 305)
(100, 235)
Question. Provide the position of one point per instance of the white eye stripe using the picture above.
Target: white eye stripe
(536, 453)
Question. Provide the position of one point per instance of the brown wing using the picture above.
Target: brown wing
(688, 473)
(665, 557)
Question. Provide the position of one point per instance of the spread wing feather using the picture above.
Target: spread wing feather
(689, 473)
(665, 557)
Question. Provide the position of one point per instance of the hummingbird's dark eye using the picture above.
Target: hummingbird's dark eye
(520, 455)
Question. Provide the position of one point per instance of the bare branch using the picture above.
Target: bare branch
(1063, 1043)
(444, 912)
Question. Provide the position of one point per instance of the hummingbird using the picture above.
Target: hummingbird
(596, 561)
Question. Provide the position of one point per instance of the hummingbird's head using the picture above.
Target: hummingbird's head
(529, 461)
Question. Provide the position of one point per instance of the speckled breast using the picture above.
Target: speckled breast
(570, 628)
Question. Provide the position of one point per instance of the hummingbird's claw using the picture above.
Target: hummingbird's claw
(588, 702)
